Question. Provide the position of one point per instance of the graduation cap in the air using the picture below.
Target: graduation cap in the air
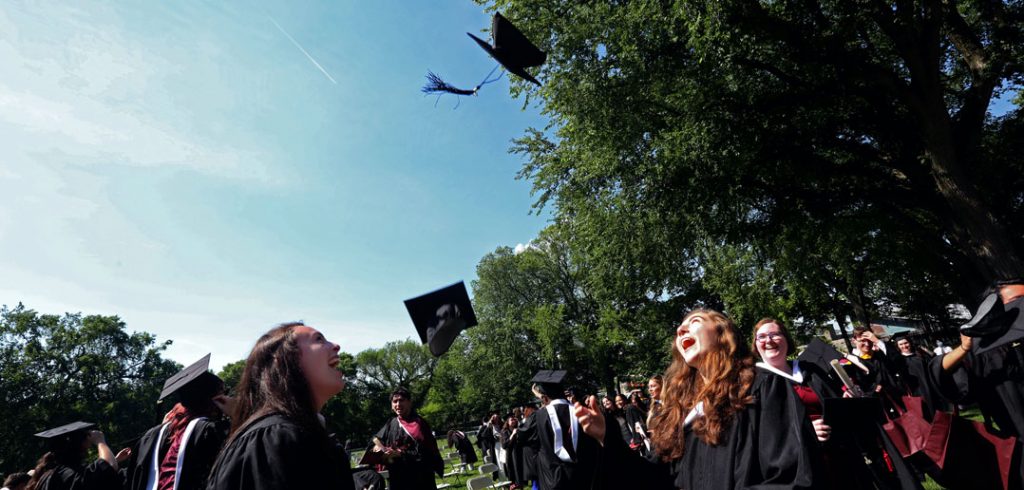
(511, 49)
(441, 315)
(550, 383)
(194, 383)
(1007, 327)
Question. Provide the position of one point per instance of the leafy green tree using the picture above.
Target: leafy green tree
(231, 374)
(680, 123)
(58, 369)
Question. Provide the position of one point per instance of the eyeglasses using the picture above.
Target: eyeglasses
(763, 337)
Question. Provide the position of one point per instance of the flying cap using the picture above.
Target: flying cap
(511, 48)
(550, 383)
(439, 316)
(65, 430)
(193, 382)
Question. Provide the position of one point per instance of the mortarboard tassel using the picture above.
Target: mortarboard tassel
(437, 85)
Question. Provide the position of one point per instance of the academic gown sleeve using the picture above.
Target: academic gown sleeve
(97, 476)
(135, 471)
(275, 454)
(776, 453)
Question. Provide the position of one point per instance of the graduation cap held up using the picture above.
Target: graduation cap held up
(820, 354)
(65, 430)
(194, 383)
(439, 316)
(1004, 328)
(511, 49)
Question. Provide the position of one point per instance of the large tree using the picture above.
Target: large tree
(680, 123)
(58, 369)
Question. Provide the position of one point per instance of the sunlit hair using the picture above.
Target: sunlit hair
(273, 383)
(790, 345)
(723, 384)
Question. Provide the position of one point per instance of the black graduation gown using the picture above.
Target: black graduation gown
(464, 447)
(529, 445)
(97, 476)
(995, 381)
(518, 457)
(552, 472)
(768, 444)
(843, 454)
(509, 443)
(416, 468)
(201, 449)
(276, 453)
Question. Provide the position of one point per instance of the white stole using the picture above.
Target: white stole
(696, 411)
(154, 468)
(797, 376)
(557, 428)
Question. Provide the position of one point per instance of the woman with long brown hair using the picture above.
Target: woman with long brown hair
(277, 441)
(724, 425)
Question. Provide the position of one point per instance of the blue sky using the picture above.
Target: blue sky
(186, 166)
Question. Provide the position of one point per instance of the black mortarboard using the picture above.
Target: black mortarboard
(986, 320)
(1009, 327)
(441, 315)
(511, 49)
(193, 383)
(820, 354)
(550, 383)
(65, 430)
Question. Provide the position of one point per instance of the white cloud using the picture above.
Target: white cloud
(92, 95)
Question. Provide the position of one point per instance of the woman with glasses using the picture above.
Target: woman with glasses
(723, 424)
(843, 456)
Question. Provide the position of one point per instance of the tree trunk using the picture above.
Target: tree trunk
(841, 320)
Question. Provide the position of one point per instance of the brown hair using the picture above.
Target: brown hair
(273, 382)
(790, 345)
(860, 330)
(723, 385)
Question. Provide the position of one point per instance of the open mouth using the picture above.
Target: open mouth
(688, 342)
(334, 362)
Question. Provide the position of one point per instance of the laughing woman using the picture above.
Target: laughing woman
(843, 456)
(277, 441)
(724, 425)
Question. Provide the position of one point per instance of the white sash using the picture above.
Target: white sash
(181, 449)
(557, 427)
(696, 411)
(797, 376)
(154, 468)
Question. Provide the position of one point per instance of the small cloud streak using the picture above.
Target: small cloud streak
(297, 45)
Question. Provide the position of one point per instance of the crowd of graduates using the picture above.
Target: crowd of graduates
(728, 412)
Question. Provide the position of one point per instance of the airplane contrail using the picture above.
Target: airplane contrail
(297, 45)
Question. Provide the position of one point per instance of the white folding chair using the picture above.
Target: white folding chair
(478, 482)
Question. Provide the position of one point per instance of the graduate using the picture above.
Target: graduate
(460, 441)
(567, 458)
(277, 440)
(844, 454)
(178, 453)
(410, 449)
(724, 424)
(987, 367)
(61, 467)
